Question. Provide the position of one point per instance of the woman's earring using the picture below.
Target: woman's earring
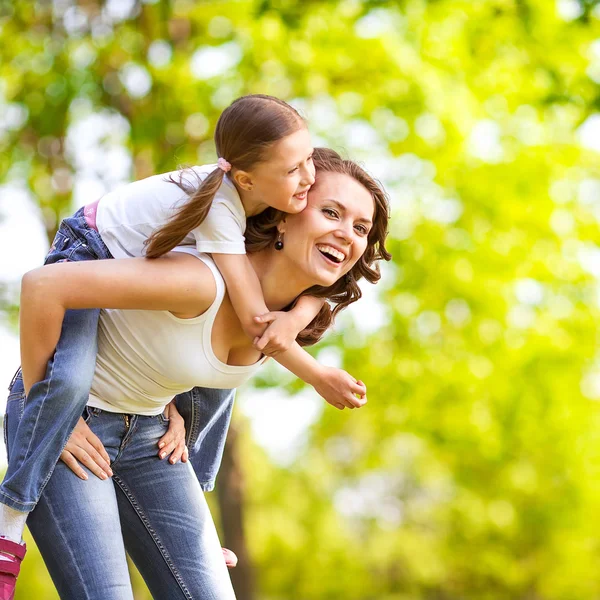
(279, 242)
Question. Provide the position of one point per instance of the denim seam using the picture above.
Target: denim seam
(195, 419)
(154, 536)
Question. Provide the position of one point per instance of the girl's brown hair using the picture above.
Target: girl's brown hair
(245, 131)
(261, 232)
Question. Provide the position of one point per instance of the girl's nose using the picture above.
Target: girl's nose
(308, 176)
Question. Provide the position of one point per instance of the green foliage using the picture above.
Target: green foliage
(473, 472)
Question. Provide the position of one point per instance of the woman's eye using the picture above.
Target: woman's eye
(362, 229)
(330, 212)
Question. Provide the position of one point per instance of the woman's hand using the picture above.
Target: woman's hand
(173, 442)
(340, 389)
(85, 447)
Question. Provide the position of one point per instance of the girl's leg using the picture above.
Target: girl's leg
(51, 411)
(166, 523)
(54, 404)
(207, 414)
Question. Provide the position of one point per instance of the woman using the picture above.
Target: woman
(165, 524)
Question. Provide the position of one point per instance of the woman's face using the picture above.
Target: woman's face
(328, 237)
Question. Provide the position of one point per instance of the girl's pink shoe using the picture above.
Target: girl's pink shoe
(10, 565)
(230, 560)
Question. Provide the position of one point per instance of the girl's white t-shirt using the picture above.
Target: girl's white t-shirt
(127, 216)
(145, 357)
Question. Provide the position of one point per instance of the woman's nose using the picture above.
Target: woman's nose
(344, 231)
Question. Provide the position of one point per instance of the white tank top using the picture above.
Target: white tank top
(145, 357)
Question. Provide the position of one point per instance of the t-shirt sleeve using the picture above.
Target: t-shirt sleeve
(222, 232)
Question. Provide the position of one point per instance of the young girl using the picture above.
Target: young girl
(264, 161)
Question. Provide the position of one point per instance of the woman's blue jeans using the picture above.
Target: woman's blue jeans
(55, 404)
(151, 509)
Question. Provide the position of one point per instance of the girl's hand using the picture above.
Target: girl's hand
(279, 335)
(173, 442)
(85, 447)
(340, 389)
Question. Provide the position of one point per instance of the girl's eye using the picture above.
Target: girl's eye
(293, 170)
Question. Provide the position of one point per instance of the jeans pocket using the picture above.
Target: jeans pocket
(164, 420)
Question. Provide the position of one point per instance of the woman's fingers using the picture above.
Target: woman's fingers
(177, 453)
(85, 448)
(168, 447)
(94, 440)
(72, 463)
(92, 461)
(83, 453)
(173, 442)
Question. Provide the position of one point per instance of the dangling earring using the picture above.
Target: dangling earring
(279, 242)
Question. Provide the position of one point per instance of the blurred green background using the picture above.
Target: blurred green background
(474, 470)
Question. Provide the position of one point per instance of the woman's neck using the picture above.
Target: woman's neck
(280, 284)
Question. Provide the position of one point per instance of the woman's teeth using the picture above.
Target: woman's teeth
(331, 253)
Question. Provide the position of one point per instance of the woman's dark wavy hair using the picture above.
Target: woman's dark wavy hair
(261, 232)
(245, 132)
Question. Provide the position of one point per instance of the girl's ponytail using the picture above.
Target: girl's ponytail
(188, 217)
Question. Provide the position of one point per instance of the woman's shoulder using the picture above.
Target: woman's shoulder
(199, 277)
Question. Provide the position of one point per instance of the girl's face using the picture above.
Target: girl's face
(326, 239)
(284, 178)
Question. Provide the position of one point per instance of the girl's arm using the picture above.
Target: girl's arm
(244, 290)
(178, 282)
(336, 386)
(248, 302)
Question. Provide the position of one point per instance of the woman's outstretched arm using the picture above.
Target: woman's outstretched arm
(178, 282)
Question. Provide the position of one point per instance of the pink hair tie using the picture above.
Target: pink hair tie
(224, 165)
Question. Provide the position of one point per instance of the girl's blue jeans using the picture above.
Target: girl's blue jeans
(151, 509)
(55, 404)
